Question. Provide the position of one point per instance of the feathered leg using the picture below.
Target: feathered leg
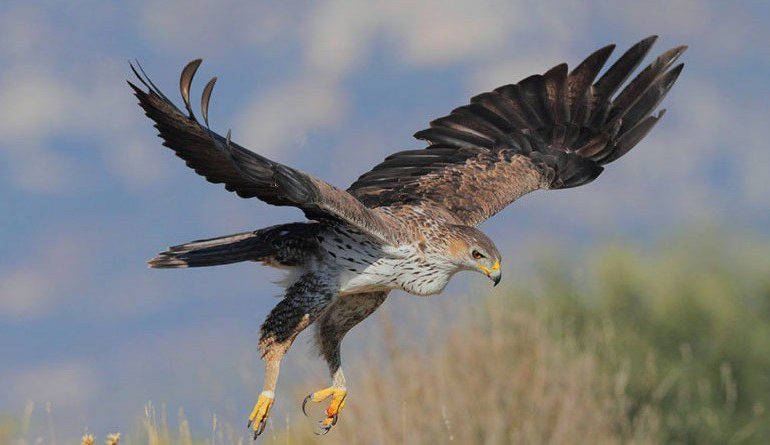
(331, 327)
(305, 300)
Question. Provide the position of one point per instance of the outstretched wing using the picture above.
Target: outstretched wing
(548, 131)
(244, 172)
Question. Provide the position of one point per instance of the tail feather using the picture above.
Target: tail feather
(246, 246)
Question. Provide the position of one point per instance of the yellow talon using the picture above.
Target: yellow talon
(258, 416)
(335, 406)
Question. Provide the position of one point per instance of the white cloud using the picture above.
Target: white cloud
(48, 106)
(40, 102)
(282, 119)
(51, 95)
(23, 31)
(720, 29)
(336, 37)
(136, 162)
(435, 32)
(42, 280)
(445, 32)
(218, 26)
(514, 69)
(35, 168)
(439, 32)
(23, 292)
(39, 110)
(66, 385)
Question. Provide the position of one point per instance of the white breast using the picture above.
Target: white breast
(415, 275)
(365, 266)
(380, 275)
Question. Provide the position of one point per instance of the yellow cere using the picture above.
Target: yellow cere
(487, 271)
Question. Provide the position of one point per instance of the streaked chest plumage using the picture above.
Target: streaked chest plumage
(363, 265)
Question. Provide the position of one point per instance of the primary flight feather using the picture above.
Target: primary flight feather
(409, 223)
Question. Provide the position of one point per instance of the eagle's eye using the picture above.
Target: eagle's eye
(477, 255)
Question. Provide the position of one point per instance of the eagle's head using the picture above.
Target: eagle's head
(471, 249)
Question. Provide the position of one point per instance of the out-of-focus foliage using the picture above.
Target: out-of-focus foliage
(691, 326)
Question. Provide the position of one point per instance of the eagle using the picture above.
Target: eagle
(410, 222)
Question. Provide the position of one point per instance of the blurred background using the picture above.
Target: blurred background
(650, 288)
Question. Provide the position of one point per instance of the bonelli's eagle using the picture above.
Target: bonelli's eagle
(409, 223)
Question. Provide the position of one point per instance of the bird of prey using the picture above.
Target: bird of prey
(409, 223)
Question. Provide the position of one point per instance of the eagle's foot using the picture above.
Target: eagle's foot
(258, 416)
(333, 410)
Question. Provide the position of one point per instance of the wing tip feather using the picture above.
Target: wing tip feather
(185, 82)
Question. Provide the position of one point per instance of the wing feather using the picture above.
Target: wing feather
(244, 172)
(580, 80)
(549, 131)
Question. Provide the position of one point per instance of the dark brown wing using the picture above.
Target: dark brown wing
(554, 130)
(244, 172)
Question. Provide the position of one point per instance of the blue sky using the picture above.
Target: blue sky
(87, 193)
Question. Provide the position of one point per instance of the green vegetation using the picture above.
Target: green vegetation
(689, 322)
(665, 344)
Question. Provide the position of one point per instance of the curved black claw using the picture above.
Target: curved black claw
(248, 425)
(304, 402)
(261, 428)
(325, 428)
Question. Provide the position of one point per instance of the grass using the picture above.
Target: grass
(670, 344)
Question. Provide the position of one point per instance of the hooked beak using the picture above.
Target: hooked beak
(494, 273)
